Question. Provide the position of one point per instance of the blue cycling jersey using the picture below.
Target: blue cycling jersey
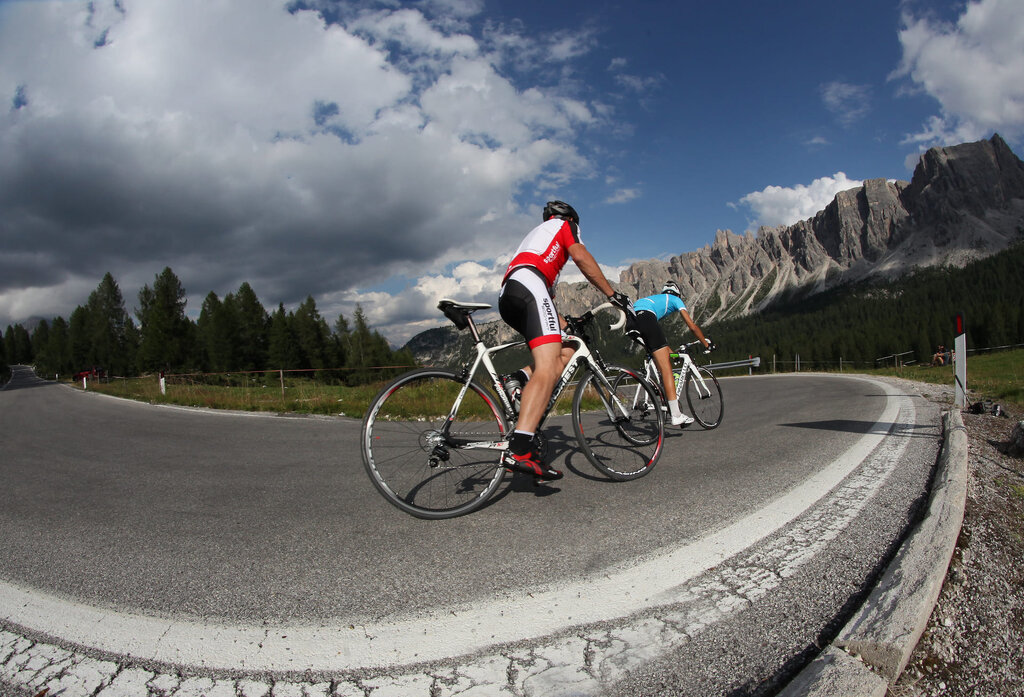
(660, 305)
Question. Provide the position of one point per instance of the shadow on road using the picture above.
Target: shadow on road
(866, 427)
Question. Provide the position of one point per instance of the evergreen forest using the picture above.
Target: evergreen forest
(232, 334)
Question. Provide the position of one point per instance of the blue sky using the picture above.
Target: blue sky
(390, 153)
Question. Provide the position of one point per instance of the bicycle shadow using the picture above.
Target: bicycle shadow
(867, 427)
(563, 441)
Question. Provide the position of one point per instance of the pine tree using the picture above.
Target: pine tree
(58, 350)
(18, 344)
(4, 367)
(283, 350)
(40, 342)
(253, 326)
(342, 337)
(369, 350)
(108, 328)
(78, 332)
(166, 333)
(40, 345)
(216, 335)
(312, 334)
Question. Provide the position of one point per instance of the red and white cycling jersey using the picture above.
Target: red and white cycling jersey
(546, 248)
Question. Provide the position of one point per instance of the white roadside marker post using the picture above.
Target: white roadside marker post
(960, 361)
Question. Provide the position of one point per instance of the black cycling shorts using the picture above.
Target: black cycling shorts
(646, 323)
(526, 306)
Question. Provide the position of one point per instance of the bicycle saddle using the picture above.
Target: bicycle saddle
(459, 312)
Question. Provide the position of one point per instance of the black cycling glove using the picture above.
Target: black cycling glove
(622, 300)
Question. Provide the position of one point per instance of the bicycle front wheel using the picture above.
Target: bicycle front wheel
(640, 402)
(704, 397)
(618, 423)
(424, 464)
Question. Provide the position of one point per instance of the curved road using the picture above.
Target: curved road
(228, 546)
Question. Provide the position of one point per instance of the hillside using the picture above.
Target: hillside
(963, 203)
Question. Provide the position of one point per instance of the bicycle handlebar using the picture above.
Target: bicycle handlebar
(622, 314)
(685, 348)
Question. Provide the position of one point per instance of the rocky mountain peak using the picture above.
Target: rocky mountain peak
(963, 202)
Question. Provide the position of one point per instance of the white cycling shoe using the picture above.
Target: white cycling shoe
(682, 420)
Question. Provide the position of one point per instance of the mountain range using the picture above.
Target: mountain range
(962, 203)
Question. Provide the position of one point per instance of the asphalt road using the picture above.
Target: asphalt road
(258, 520)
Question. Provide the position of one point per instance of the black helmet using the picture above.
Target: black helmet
(671, 288)
(561, 209)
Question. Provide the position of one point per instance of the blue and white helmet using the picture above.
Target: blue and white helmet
(671, 288)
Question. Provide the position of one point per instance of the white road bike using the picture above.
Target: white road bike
(434, 440)
(703, 394)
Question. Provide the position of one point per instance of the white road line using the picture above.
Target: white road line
(441, 633)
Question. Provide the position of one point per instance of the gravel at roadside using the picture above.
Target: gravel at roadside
(974, 643)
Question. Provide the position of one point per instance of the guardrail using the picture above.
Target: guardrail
(754, 362)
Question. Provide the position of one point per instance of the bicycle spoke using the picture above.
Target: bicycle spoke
(414, 455)
(624, 446)
(704, 397)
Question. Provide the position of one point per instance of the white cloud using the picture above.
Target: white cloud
(473, 102)
(544, 53)
(975, 69)
(849, 103)
(306, 153)
(624, 196)
(415, 33)
(778, 205)
(457, 8)
(638, 84)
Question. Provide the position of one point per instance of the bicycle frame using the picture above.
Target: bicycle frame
(679, 373)
(689, 366)
(581, 357)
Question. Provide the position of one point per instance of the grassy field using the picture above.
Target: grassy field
(299, 396)
(996, 376)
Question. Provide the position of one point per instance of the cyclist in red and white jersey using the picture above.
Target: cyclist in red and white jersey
(526, 305)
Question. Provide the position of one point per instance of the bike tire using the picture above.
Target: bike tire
(706, 406)
(623, 448)
(639, 399)
(407, 458)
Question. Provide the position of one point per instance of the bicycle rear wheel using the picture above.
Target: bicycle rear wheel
(627, 444)
(704, 397)
(418, 460)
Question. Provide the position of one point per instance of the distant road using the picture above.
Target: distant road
(247, 520)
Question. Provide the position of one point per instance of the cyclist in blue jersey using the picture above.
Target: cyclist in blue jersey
(649, 311)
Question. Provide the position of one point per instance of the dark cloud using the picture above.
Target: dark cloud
(162, 135)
